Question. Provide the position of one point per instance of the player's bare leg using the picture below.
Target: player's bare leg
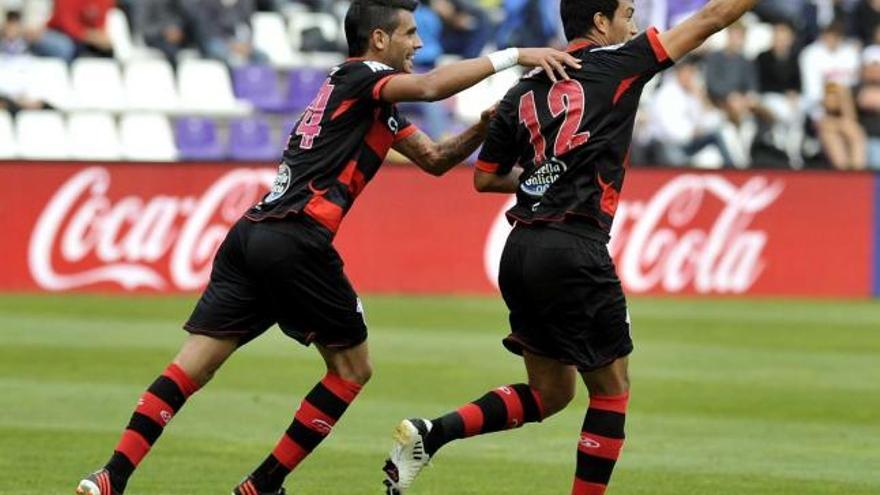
(192, 368)
(602, 434)
(348, 370)
(551, 387)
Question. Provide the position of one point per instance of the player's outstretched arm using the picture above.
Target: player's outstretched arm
(713, 17)
(445, 81)
(439, 158)
(487, 182)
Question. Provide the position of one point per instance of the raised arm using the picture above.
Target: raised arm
(448, 80)
(713, 17)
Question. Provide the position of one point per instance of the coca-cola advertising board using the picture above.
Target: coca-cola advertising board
(155, 228)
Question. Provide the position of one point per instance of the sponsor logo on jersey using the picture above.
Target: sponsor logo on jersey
(393, 125)
(280, 184)
(376, 66)
(543, 177)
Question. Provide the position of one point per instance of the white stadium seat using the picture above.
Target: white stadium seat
(147, 137)
(93, 136)
(49, 81)
(97, 84)
(270, 37)
(42, 135)
(206, 88)
(7, 137)
(120, 35)
(329, 26)
(149, 85)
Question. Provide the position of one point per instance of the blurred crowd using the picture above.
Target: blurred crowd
(796, 84)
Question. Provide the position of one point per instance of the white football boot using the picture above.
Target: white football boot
(408, 456)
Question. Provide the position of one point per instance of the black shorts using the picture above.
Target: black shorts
(564, 297)
(280, 271)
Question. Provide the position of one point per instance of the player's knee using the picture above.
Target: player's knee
(359, 374)
(555, 398)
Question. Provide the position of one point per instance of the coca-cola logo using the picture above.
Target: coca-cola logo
(83, 237)
(659, 244)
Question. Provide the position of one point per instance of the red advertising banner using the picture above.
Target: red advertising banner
(155, 227)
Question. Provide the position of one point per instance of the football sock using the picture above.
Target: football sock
(313, 421)
(501, 409)
(155, 408)
(600, 443)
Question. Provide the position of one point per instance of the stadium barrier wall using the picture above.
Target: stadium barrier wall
(155, 227)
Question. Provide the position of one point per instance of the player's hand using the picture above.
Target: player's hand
(486, 117)
(553, 61)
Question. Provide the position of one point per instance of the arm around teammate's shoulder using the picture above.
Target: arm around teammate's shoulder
(713, 17)
(448, 80)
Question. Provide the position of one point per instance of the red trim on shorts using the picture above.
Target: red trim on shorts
(621, 89)
(582, 487)
(657, 45)
(472, 417)
(289, 453)
(512, 404)
(405, 132)
(613, 403)
(343, 107)
(325, 212)
(377, 88)
(152, 407)
(344, 389)
(186, 384)
(133, 446)
(599, 446)
(488, 167)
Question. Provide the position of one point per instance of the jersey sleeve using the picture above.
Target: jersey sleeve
(643, 55)
(500, 153)
(365, 79)
(405, 128)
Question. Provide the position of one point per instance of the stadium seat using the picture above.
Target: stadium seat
(120, 35)
(93, 136)
(149, 85)
(470, 103)
(206, 89)
(250, 139)
(258, 84)
(302, 87)
(197, 139)
(42, 135)
(50, 81)
(97, 85)
(147, 137)
(326, 23)
(8, 148)
(270, 38)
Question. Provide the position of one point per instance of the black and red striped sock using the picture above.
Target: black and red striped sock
(154, 410)
(600, 443)
(313, 421)
(501, 409)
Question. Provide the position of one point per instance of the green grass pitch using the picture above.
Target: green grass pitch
(729, 397)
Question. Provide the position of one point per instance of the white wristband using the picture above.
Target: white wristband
(504, 59)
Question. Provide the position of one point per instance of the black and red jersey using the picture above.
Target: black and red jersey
(572, 138)
(336, 146)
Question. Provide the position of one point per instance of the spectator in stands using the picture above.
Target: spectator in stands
(222, 31)
(837, 125)
(465, 28)
(868, 103)
(732, 84)
(12, 40)
(77, 27)
(866, 19)
(831, 58)
(163, 26)
(529, 23)
(682, 121)
(15, 64)
(779, 77)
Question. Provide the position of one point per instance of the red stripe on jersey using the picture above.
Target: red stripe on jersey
(472, 417)
(657, 45)
(353, 179)
(599, 446)
(488, 167)
(340, 387)
(513, 404)
(405, 132)
(624, 85)
(133, 446)
(582, 487)
(379, 139)
(613, 403)
(289, 453)
(610, 196)
(377, 89)
(183, 381)
(577, 46)
(343, 107)
(155, 408)
(325, 212)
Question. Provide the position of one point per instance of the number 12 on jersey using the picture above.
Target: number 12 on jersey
(564, 97)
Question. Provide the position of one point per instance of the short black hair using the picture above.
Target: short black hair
(577, 15)
(365, 16)
(13, 16)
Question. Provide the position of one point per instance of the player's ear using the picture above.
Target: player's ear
(379, 39)
(601, 22)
